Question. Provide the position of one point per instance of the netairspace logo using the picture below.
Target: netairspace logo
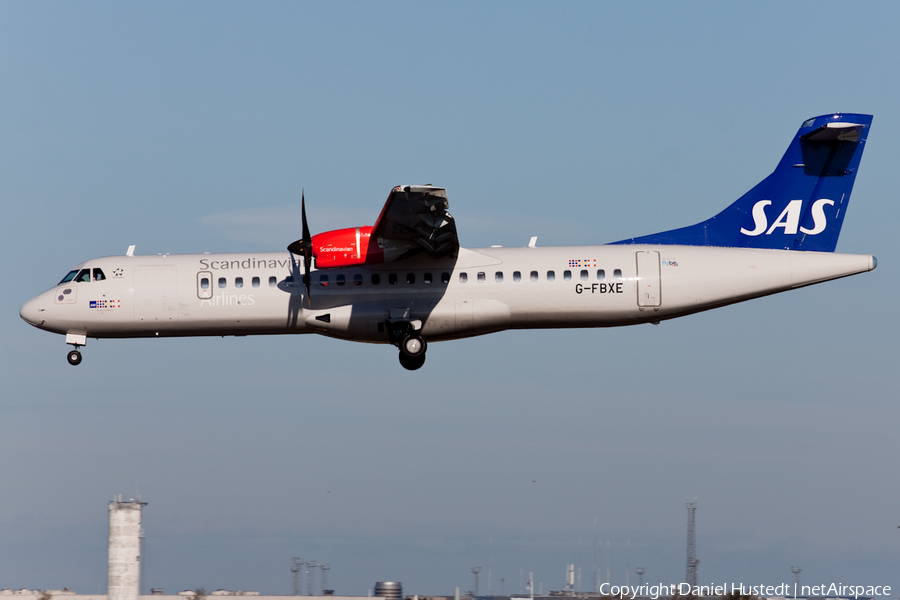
(785, 590)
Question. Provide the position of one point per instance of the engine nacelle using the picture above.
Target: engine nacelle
(345, 248)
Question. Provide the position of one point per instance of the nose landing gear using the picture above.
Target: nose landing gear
(77, 340)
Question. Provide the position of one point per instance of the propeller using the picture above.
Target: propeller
(304, 245)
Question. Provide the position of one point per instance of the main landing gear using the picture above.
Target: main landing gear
(412, 351)
(412, 345)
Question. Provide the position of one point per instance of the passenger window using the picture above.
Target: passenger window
(427, 278)
(567, 275)
(204, 283)
(410, 278)
(481, 277)
(69, 277)
(98, 275)
(463, 278)
(357, 279)
(273, 281)
(601, 274)
(517, 276)
(392, 279)
(445, 277)
(584, 275)
(551, 276)
(376, 279)
(534, 275)
(255, 282)
(498, 276)
(238, 282)
(323, 280)
(340, 279)
(222, 282)
(617, 274)
(289, 280)
(84, 276)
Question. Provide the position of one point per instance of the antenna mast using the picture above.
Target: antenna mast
(692, 561)
(310, 565)
(325, 567)
(296, 568)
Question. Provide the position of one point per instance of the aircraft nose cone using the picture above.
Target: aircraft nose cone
(32, 313)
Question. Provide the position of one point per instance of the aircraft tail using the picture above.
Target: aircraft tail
(800, 206)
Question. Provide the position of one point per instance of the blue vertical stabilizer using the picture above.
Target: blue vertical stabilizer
(800, 206)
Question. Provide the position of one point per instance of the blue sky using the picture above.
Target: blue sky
(190, 127)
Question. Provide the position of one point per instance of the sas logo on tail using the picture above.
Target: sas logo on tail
(789, 219)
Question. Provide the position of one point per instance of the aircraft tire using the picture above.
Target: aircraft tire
(411, 363)
(74, 358)
(413, 346)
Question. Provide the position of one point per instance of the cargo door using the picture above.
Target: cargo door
(156, 293)
(648, 281)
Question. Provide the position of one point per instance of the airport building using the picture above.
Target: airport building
(124, 576)
(124, 570)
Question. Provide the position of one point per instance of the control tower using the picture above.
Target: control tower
(125, 535)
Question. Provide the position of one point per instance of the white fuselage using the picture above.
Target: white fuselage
(479, 292)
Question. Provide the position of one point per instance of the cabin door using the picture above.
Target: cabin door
(648, 281)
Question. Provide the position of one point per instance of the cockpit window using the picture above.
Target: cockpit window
(98, 275)
(69, 277)
(83, 276)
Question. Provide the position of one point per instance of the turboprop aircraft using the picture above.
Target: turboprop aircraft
(405, 281)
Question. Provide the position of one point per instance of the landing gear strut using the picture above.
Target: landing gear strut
(412, 345)
(74, 358)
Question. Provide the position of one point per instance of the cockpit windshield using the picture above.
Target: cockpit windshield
(83, 276)
(69, 277)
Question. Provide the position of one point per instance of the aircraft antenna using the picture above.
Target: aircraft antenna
(692, 561)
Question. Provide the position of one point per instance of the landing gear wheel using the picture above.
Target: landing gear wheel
(411, 363)
(74, 358)
(413, 346)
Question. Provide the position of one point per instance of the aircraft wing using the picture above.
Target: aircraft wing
(415, 220)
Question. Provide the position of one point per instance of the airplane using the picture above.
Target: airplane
(405, 281)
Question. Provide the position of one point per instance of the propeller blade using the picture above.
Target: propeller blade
(307, 245)
(303, 246)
